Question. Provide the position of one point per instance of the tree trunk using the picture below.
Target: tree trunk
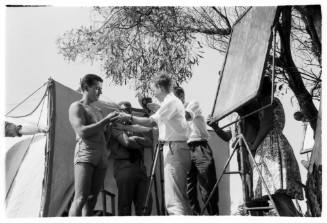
(313, 184)
(311, 16)
(295, 80)
(313, 189)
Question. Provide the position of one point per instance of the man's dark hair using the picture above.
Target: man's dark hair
(163, 81)
(178, 90)
(89, 80)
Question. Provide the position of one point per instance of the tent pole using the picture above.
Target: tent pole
(46, 187)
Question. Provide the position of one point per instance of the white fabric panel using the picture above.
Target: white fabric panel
(24, 198)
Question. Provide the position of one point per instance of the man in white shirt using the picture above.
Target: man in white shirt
(203, 167)
(173, 133)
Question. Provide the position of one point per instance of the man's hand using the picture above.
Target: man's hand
(111, 116)
(121, 117)
(43, 129)
(210, 123)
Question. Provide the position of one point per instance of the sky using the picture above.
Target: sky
(32, 57)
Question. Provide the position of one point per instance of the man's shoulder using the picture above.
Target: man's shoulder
(76, 105)
(172, 99)
(193, 106)
(193, 103)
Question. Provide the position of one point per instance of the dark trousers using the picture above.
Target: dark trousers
(132, 183)
(203, 171)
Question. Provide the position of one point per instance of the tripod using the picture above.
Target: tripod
(242, 146)
(153, 181)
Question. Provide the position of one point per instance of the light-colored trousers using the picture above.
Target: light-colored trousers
(177, 163)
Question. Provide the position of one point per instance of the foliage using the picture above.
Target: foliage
(135, 43)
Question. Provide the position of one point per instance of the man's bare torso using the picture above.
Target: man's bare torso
(92, 114)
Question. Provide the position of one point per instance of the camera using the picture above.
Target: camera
(144, 101)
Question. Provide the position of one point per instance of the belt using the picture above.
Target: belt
(198, 143)
(161, 143)
(164, 142)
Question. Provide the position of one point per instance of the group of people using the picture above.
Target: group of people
(181, 131)
(183, 136)
(187, 157)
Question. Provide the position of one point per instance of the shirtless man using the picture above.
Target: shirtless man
(90, 151)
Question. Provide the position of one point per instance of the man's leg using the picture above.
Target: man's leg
(82, 184)
(97, 183)
(177, 163)
(192, 191)
(207, 180)
(207, 177)
(125, 180)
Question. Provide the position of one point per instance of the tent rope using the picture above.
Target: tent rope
(28, 147)
(7, 114)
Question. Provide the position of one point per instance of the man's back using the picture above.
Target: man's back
(198, 126)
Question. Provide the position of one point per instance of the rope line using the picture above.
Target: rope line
(6, 115)
(28, 147)
(37, 106)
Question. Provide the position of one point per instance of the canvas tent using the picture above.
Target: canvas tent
(39, 170)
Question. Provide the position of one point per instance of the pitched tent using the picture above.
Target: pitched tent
(39, 170)
(52, 160)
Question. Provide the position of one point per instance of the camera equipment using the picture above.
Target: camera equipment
(144, 101)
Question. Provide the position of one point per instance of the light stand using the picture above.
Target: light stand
(241, 145)
(158, 156)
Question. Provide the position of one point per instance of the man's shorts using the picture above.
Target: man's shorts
(94, 155)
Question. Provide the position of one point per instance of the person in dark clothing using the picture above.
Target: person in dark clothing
(248, 127)
(129, 170)
(203, 170)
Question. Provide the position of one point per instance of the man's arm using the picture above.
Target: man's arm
(31, 130)
(145, 121)
(134, 128)
(144, 141)
(77, 120)
(225, 135)
(125, 140)
(192, 110)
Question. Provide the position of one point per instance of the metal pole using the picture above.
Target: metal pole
(243, 166)
(104, 201)
(260, 174)
(152, 178)
(163, 206)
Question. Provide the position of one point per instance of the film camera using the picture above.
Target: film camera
(144, 101)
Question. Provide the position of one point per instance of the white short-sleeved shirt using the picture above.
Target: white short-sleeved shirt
(198, 126)
(170, 118)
